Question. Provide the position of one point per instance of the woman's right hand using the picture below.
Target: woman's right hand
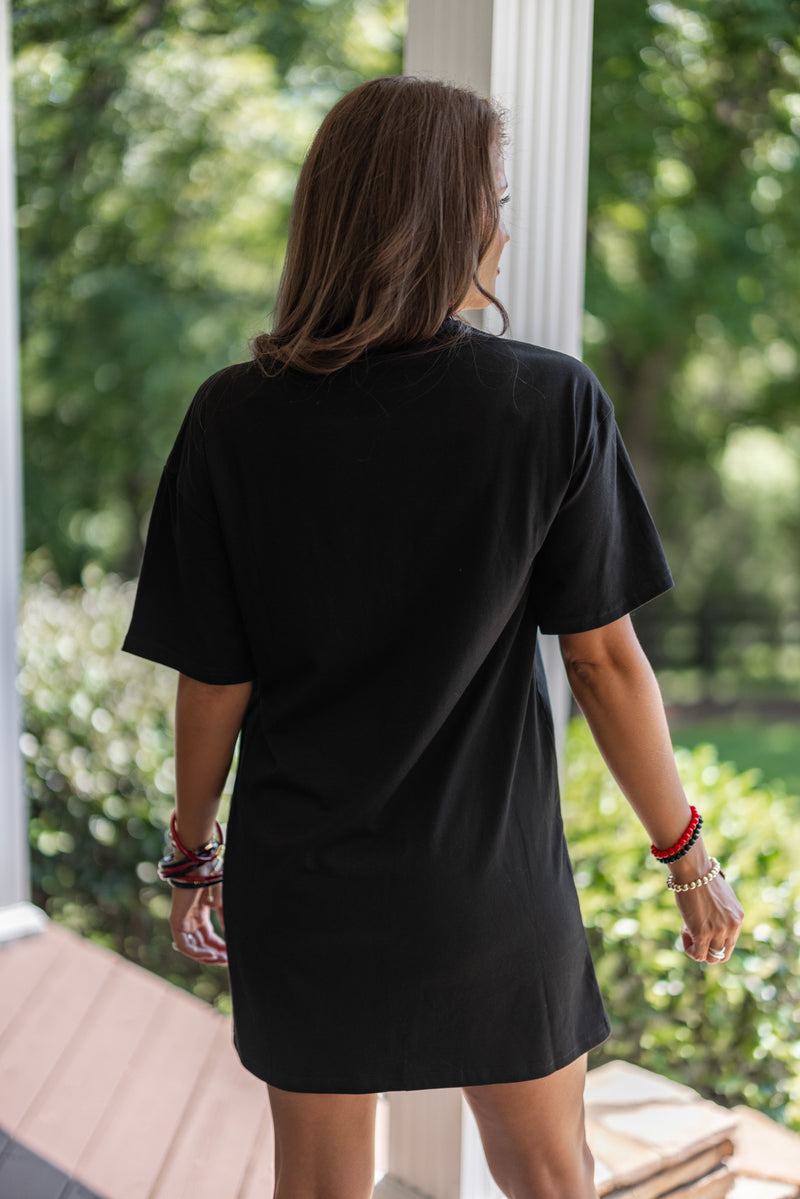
(712, 919)
(193, 934)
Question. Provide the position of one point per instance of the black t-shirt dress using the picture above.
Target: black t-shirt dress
(376, 550)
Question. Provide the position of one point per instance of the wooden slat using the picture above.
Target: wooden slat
(218, 1136)
(131, 1143)
(104, 1049)
(259, 1178)
(43, 1028)
(23, 966)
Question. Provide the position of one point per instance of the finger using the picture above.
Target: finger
(206, 938)
(692, 946)
(195, 936)
(190, 921)
(210, 932)
(212, 901)
(193, 945)
(212, 938)
(728, 941)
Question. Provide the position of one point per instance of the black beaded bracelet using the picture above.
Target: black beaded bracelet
(673, 857)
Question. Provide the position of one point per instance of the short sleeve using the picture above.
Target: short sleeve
(601, 556)
(186, 614)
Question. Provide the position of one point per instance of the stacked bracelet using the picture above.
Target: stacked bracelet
(188, 868)
(667, 858)
(698, 882)
(683, 844)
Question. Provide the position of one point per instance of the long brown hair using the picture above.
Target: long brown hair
(395, 206)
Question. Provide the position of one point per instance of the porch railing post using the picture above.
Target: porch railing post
(16, 914)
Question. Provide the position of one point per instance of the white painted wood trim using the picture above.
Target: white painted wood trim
(21, 920)
(425, 1141)
(392, 1188)
(541, 73)
(14, 861)
(450, 40)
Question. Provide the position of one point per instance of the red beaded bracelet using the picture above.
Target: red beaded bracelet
(682, 841)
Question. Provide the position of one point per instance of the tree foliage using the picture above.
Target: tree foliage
(157, 151)
(693, 294)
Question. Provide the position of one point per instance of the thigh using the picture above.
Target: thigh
(324, 1144)
(533, 1134)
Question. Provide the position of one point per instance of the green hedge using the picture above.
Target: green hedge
(730, 1032)
(99, 777)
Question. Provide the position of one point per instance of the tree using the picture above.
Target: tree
(693, 278)
(157, 151)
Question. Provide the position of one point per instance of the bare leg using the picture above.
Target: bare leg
(324, 1145)
(533, 1135)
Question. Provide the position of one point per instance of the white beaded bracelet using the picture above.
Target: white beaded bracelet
(698, 882)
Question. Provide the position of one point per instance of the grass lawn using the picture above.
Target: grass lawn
(771, 746)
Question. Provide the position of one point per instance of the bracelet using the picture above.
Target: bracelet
(698, 882)
(682, 841)
(194, 867)
(181, 872)
(673, 857)
(206, 853)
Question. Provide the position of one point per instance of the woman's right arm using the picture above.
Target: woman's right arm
(615, 688)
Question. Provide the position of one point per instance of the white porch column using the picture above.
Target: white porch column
(16, 914)
(534, 56)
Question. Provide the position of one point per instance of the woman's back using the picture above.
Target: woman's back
(379, 527)
(376, 548)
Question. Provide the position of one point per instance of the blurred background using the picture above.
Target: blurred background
(157, 148)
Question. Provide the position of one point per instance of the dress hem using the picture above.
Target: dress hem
(418, 1080)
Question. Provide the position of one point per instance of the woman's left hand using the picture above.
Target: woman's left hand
(193, 934)
(712, 921)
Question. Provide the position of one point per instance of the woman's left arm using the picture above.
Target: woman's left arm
(207, 722)
(617, 692)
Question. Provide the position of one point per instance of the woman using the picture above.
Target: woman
(355, 540)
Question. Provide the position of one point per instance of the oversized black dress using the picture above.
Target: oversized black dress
(376, 549)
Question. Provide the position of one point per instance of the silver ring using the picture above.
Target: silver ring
(719, 954)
